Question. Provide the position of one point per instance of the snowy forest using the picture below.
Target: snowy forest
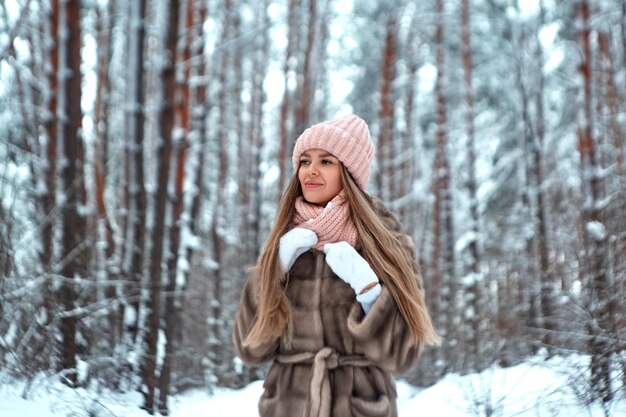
(144, 147)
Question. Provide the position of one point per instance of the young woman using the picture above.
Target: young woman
(335, 300)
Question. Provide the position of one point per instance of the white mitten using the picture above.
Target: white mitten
(346, 262)
(293, 244)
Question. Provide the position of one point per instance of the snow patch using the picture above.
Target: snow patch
(596, 230)
(534, 388)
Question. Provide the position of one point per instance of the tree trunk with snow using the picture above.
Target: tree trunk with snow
(135, 170)
(529, 290)
(386, 114)
(49, 155)
(548, 284)
(286, 129)
(151, 355)
(198, 128)
(173, 290)
(221, 200)
(73, 222)
(408, 155)
(306, 85)
(259, 70)
(474, 286)
(321, 94)
(447, 312)
(595, 235)
(612, 103)
(623, 33)
(105, 227)
(249, 174)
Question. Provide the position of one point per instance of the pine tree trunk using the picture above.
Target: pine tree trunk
(256, 132)
(409, 161)
(548, 284)
(615, 304)
(158, 238)
(198, 127)
(222, 204)
(286, 129)
(613, 103)
(596, 250)
(174, 288)
(320, 100)
(444, 233)
(306, 81)
(104, 32)
(475, 288)
(529, 291)
(244, 153)
(385, 153)
(49, 167)
(135, 171)
(72, 221)
(624, 31)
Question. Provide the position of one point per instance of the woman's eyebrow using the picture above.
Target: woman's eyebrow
(324, 155)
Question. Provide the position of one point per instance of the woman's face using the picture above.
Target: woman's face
(319, 175)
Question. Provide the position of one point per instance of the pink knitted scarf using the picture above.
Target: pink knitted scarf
(331, 223)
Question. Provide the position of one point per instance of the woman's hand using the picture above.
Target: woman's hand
(293, 244)
(346, 262)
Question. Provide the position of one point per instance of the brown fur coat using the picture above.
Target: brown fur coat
(340, 362)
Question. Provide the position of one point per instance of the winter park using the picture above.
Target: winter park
(285, 208)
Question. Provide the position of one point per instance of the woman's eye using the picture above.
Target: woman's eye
(326, 161)
(304, 162)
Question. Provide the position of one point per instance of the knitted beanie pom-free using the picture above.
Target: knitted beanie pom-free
(347, 138)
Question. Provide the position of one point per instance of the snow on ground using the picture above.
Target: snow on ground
(536, 388)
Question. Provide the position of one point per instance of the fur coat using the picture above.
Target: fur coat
(340, 362)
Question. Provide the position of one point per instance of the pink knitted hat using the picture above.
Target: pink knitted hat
(347, 138)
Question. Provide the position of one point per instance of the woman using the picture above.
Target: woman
(335, 300)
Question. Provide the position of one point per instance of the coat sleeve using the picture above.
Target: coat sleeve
(246, 314)
(383, 336)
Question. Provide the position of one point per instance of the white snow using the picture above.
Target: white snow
(427, 75)
(596, 230)
(534, 388)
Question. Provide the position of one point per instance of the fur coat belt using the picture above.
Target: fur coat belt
(319, 402)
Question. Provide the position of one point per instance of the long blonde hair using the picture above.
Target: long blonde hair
(381, 249)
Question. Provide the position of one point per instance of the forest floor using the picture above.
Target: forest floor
(536, 388)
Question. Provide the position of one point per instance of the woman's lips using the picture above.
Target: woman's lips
(312, 185)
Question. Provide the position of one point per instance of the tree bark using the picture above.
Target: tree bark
(305, 80)
(548, 284)
(595, 236)
(256, 132)
(474, 297)
(223, 205)
(138, 198)
(101, 110)
(286, 129)
(72, 221)
(49, 155)
(443, 223)
(385, 151)
(409, 161)
(174, 288)
(613, 104)
(198, 127)
(158, 238)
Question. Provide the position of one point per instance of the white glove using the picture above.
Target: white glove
(293, 244)
(346, 262)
